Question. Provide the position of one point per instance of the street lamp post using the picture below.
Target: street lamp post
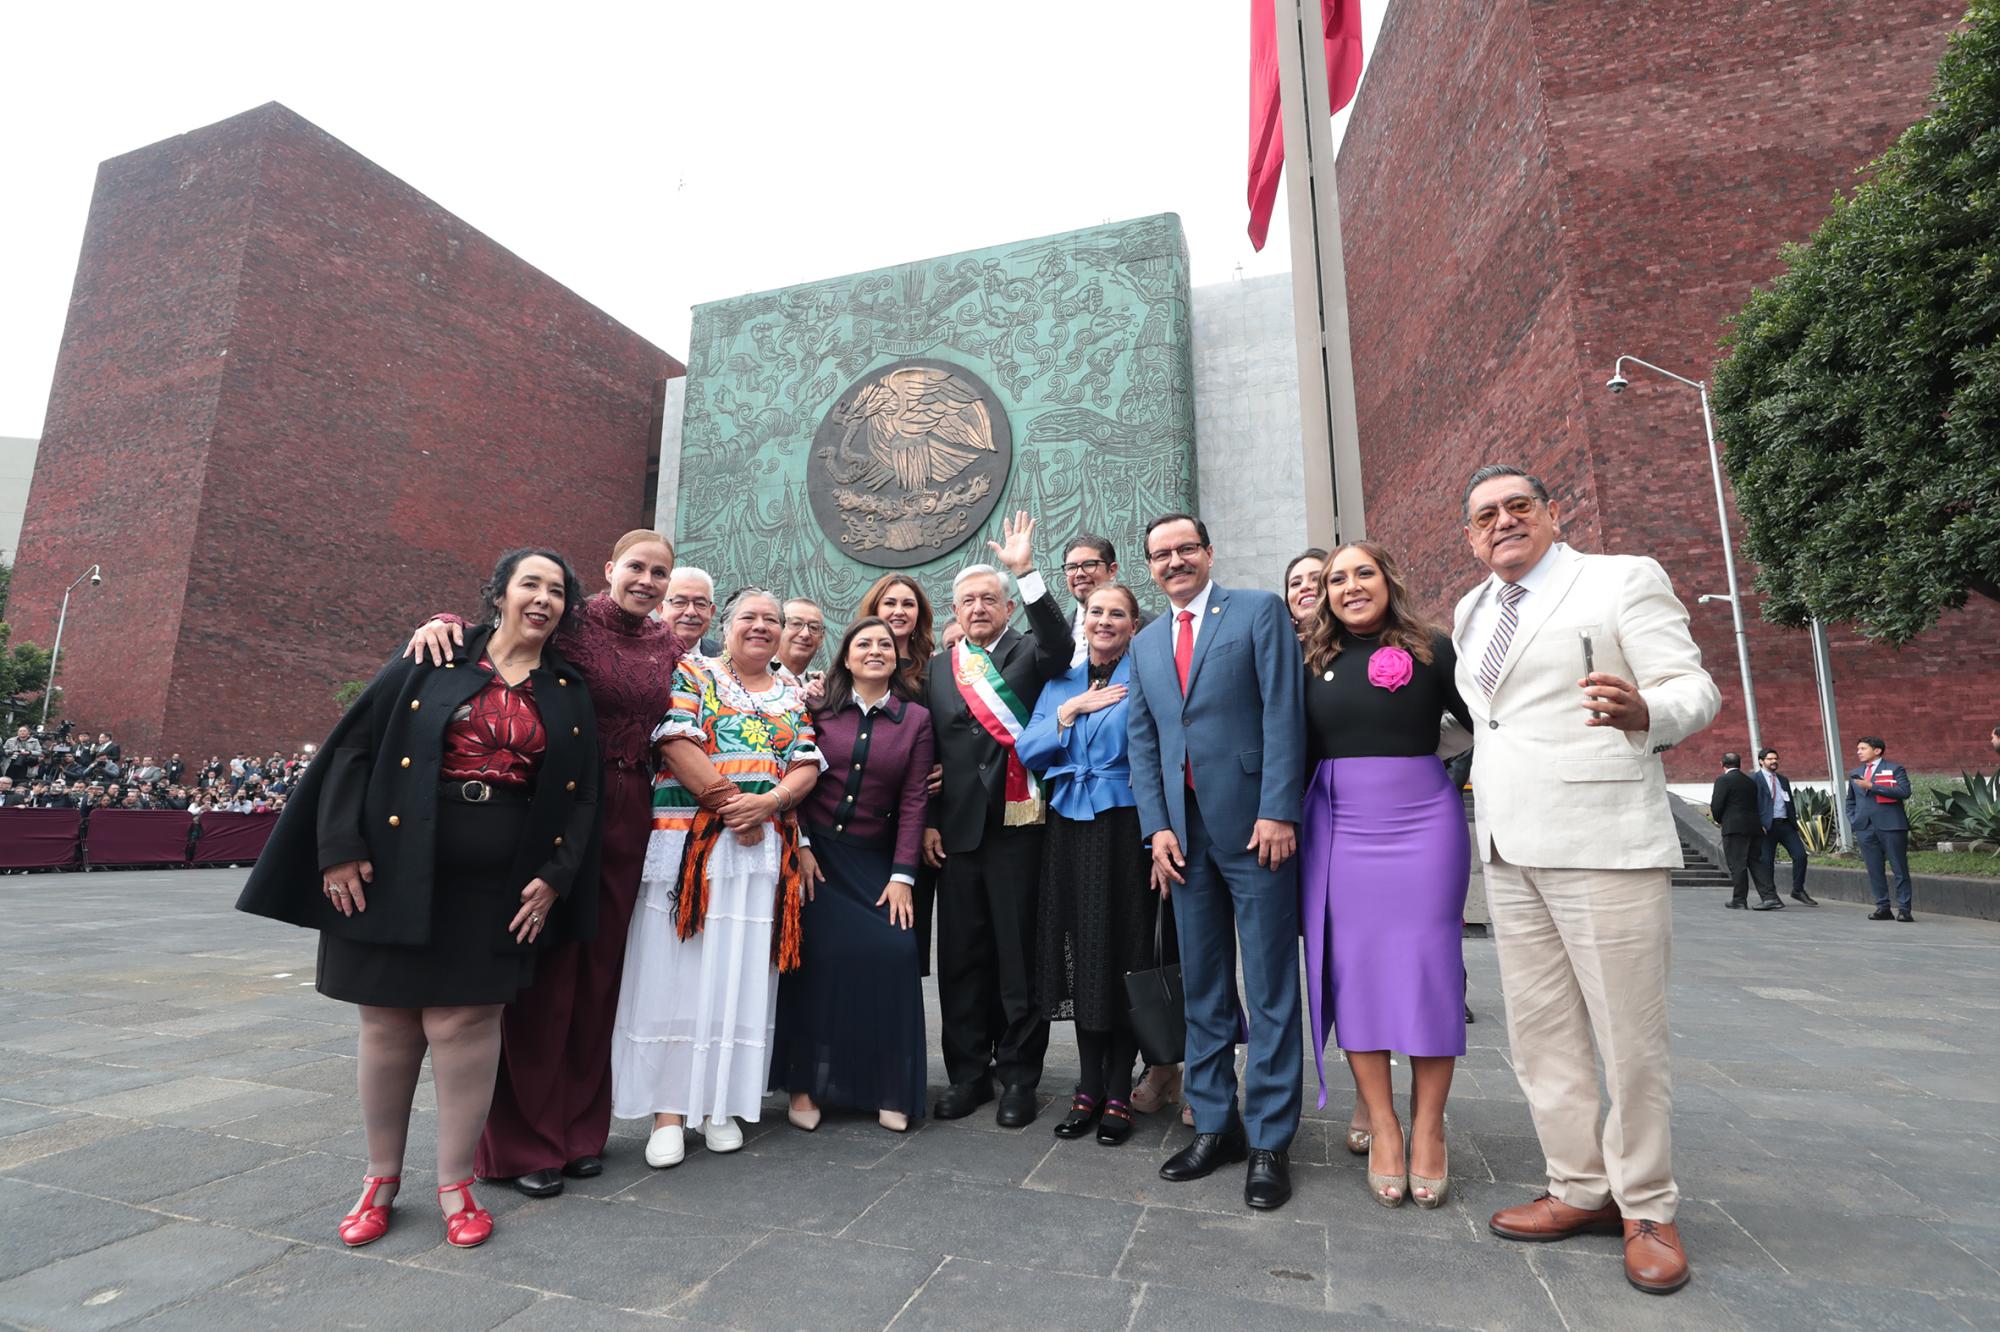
(95, 573)
(1617, 384)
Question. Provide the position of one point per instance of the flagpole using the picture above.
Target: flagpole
(1329, 435)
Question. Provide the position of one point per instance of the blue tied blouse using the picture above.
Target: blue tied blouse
(1087, 768)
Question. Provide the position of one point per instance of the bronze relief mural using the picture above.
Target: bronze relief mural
(888, 420)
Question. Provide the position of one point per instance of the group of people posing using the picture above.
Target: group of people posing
(596, 865)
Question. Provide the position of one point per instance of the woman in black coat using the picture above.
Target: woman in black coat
(433, 844)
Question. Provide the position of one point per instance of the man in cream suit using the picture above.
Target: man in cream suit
(1579, 671)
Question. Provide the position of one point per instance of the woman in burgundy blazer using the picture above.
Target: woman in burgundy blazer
(851, 1017)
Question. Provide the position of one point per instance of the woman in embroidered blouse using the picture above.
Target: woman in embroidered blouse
(1383, 861)
(720, 895)
(551, 1113)
(851, 1018)
(1097, 907)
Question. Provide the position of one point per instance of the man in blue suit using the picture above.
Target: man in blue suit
(1217, 741)
(1875, 794)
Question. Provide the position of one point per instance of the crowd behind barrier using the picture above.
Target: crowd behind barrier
(70, 801)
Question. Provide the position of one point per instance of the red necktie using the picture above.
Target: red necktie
(1183, 659)
(1184, 647)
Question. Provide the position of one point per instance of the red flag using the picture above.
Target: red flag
(1342, 22)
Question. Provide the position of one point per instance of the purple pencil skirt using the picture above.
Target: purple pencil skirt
(1385, 859)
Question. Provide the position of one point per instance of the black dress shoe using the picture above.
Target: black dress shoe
(585, 1167)
(1268, 1185)
(1116, 1124)
(539, 1183)
(1083, 1113)
(1906, 917)
(1017, 1107)
(1733, 904)
(1803, 896)
(962, 1098)
(1208, 1153)
(1768, 904)
(1882, 913)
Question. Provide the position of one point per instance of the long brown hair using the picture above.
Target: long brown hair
(922, 644)
(1403, 626)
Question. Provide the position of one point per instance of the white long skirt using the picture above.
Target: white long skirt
(695, 1016)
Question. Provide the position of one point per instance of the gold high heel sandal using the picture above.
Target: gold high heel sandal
(1438, 1188)
(1390, 1190)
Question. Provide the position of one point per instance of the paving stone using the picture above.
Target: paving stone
(967, 1296)
(1177, 1248)
(612, 1253)
(60, 1136)
(79, 1080)
(148, 1164)
(323, 1288)
(757, 1192)
(807, 1281)
(1381, 1275)
(1591, 1290)
(1880, 1251)
(265, 1197)
(307, 1123)
(130, 1278)
(997, 1158)
(981, 1221)
(19, 1117)
(560, 1313)
(1178, 1307)
(40, 1225)
(1825, 1304)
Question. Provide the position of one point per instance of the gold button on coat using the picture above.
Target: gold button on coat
(413, 705)
(576, 730)
(395, 822)
(406, 762)
(562, 679)
(558, 841)
(569, 786)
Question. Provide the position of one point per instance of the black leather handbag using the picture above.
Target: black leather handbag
(1159, 1017)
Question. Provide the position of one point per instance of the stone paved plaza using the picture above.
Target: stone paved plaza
(178, 1136)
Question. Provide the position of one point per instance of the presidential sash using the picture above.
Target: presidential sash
(995, 707)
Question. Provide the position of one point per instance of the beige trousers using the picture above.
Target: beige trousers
(1583, 956)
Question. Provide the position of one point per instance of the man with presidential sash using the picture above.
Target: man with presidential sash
(986, 832)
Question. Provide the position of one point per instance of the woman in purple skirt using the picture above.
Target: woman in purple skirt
(1384, 862)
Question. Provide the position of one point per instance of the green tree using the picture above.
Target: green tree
(24, 669)
(1861, 393)
(346, 692)
(6, 585)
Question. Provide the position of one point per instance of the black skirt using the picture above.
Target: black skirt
(470, 959)
(1096, 918)
(851, 1018)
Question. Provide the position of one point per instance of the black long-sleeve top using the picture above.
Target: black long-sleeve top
(1347, 716)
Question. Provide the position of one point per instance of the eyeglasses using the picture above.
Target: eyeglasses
(1518, 505)
(1187, 551)
(813, 627)
(683, 603)
(1084, 566)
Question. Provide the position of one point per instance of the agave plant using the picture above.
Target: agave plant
(1812, 811)
(1970, 811)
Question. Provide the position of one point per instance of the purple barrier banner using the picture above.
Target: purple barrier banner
(38, 838)
(232, 837)
(137, 837)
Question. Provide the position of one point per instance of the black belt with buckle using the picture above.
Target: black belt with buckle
(480, 793)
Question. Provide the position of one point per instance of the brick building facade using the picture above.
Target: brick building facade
(1531, 188)
(297, 404)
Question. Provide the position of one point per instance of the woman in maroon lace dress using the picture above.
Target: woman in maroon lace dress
(551, 1111)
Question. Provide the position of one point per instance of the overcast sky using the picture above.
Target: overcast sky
(651, 157)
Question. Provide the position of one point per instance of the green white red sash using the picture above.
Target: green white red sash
(995, 707)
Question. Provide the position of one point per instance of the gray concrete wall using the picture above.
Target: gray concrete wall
(1250, 477)
(664, 512)
(17, 469)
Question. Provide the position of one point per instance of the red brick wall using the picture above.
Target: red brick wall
(297, 404)
(1670, 148)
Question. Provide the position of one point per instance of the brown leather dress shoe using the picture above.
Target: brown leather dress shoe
(1654, 1260)
(1550, 1218)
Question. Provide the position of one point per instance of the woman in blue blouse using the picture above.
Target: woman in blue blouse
(1097, 904)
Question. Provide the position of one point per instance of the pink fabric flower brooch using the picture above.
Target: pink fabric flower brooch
(1390, 668)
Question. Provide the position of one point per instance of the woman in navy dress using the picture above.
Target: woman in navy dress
(1384, 859)
(851, 1018)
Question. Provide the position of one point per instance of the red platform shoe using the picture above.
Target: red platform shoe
(369, 1221)
(472, 1225)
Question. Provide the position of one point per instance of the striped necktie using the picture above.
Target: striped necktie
(1503, 634)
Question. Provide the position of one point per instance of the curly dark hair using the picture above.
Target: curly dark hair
(1404, 626)
(503, 574)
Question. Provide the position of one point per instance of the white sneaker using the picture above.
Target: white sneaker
(721, 1135)
(666, 1147)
